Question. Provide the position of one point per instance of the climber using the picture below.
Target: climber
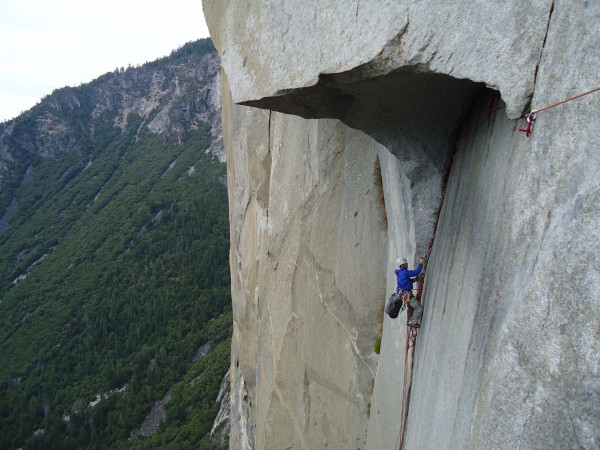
(405, 279)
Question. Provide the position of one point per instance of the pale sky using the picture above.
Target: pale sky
(49, 44)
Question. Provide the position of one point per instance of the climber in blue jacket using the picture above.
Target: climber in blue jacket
(405, 284)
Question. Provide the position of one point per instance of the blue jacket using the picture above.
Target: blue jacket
(404, 277)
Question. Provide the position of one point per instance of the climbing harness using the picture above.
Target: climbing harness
(405, 298)
(533, 114)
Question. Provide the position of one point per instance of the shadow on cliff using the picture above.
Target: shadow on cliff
(415, 114)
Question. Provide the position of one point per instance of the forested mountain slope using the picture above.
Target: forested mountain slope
(114, 260)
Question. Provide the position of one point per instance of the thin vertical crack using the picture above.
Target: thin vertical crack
(537, 66)
(269, 132)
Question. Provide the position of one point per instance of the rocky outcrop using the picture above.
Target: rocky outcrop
(220, 428)
(171, 96)
(153, 420)
(365, 109)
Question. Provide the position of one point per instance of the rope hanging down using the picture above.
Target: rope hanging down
(411, 332)
(533, 114)
(411, 342)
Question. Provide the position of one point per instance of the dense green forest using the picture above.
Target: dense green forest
(113, 272)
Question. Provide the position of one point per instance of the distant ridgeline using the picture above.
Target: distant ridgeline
(114, 268)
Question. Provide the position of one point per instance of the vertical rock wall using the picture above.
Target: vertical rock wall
(308, 246)
(508, 355)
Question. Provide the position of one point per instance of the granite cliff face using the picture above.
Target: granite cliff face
(358, 113)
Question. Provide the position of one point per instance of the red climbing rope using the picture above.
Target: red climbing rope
(533, 114)
(411, 334)
(411, 342)
(405, 399)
